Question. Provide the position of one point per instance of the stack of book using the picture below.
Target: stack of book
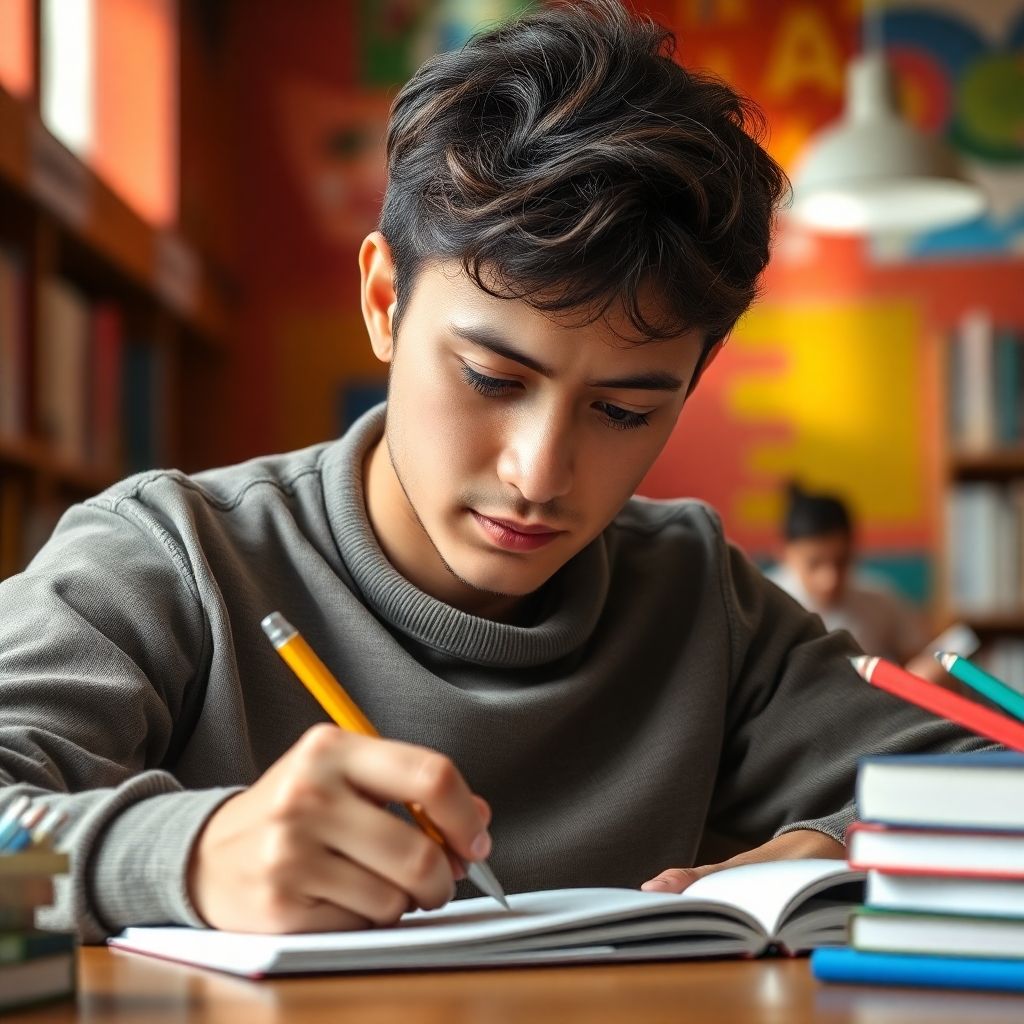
(941, 838)
(34, 965)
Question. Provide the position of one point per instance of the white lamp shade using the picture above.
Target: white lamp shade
(875, 172)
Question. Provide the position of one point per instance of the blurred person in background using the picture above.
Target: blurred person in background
(818, 569)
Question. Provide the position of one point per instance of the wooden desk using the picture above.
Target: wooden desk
(122, 988)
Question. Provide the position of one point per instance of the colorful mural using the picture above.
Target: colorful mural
(827, 391)
(961, 68)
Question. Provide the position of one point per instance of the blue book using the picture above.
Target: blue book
(842, 964)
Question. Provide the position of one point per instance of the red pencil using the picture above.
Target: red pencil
(939, 701)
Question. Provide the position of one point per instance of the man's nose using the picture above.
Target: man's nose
(537, 458)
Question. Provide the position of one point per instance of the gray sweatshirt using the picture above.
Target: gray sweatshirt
(665, 691)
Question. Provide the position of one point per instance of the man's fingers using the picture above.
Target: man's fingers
(349, 886)
(388, 770)
(383, 844)
(485, 809)
(323, 917)
(674, 879)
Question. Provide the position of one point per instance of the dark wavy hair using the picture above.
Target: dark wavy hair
(566, 159)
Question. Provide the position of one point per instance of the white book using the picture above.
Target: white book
(987, 897)
(979, 421)
(981, 790)
(742, 911)
(887, 931)
(32, 981)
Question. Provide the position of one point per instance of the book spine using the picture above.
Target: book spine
(16, 947)
(846, 965)
(106, 400)
(13, 346)
(27, 890)
(979, 432)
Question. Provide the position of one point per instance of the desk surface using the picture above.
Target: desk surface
(118, 988)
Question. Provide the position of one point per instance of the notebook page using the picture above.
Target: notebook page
(765, 891)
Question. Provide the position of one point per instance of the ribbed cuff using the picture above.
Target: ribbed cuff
(833, 825)
(138, 874)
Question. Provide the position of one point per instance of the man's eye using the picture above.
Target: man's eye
(491, 386)
(621, 419)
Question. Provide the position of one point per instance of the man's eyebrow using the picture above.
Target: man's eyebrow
(655, 380)
(493, 342)
(652, 380)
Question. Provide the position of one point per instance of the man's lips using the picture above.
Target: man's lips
(514, 536)
(511, 524)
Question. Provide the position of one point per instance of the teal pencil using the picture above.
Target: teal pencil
(987, 685)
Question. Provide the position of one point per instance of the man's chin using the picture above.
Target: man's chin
(499, 573)
(501, 584)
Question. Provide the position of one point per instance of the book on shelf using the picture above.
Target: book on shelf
(14, 342)
(144, 405)
(985, 547)
(742, 911)
(106, 401)
(986, 385)
(63, 352)
(100, 395)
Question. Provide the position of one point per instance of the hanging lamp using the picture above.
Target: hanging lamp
(874, 172)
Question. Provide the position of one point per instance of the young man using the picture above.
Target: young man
(573, 223)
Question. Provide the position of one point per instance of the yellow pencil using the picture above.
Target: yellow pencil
(318, 679)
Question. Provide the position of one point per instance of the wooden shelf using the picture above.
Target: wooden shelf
(1008, 622)
(35, 456)
(92, 216)
(999, 462)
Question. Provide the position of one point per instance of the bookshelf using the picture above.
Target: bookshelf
(113, 342)
(982, 569)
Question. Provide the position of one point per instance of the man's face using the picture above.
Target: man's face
(822, 564)
(515, 439)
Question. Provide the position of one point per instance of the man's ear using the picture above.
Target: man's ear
(377, 295)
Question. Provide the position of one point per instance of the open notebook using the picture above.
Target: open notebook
(795, 905)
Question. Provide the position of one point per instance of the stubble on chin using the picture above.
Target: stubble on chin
(411, 507)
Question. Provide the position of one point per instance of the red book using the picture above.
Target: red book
(940, 701)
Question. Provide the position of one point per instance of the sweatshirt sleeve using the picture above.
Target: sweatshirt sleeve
(799, 717)
(102, 643)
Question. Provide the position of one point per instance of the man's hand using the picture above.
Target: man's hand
(310, 846)
(802, 843)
